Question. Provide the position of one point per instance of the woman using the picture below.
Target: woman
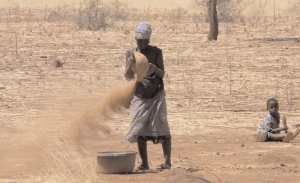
(148, 111)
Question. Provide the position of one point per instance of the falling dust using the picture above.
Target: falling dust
(33, 151)
(94, 118)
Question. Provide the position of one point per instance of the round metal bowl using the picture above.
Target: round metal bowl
(116, 162)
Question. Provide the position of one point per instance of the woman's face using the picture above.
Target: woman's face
(142, 43)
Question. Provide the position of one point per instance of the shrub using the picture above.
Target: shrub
(118, 10)
(92, 15)
(228, 10)
(177, 14)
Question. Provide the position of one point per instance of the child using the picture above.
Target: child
(269, 127)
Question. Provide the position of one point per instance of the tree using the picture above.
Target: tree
(213, 19)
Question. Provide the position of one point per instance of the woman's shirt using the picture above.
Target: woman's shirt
(155, 57)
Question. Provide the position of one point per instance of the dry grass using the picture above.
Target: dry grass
(65, 161)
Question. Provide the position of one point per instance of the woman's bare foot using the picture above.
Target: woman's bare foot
(142, 167)
(163, 167)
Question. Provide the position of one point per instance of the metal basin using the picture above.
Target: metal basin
(116, 162)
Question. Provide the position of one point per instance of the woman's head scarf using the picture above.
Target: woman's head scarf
(143, 31)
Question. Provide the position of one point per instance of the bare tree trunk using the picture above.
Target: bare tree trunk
(212, 13)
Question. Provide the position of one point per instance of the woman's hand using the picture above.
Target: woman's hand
(152, 69)
(131, 60)
(129, 70)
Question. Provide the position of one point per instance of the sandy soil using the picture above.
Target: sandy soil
(216, 97)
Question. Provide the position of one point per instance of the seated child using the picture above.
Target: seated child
(269, 127)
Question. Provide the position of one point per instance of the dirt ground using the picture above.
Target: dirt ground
(216, 98)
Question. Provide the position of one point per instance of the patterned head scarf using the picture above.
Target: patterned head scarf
(143, 31)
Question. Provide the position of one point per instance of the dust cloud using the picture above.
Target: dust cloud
(94, 118)
(33, 150)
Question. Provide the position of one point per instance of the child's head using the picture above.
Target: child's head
(272, 106)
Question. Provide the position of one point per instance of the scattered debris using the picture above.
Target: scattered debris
(57, 63)
(192, 169)
(127, 32)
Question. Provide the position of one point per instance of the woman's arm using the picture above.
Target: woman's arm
(158, 70)
(129, 75)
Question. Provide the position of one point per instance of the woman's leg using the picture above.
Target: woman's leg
(142, 147)
(166, 145)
